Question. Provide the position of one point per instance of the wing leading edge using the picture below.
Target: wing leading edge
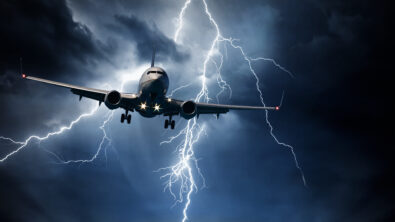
(175, 108)
(207, 108)
(128, 101)
(95, 94)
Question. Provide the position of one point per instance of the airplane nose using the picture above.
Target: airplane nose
(156, 76)
(158, 80)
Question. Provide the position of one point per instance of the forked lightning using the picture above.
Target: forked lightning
(182, 171)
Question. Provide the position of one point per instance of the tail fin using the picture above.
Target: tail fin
(153, 57)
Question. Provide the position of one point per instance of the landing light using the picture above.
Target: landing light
(168, 100)
(143, 106)
(156, 107)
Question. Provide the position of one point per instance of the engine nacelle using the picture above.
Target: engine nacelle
(188, 109)
(112, 99)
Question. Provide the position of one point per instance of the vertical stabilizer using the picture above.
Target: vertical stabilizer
(153, 57)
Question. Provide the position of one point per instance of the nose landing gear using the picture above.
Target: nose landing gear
(127, 117)
(170, 122)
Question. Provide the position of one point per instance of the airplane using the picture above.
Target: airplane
(150, 100)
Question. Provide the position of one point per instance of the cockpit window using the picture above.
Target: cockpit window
(159, 72)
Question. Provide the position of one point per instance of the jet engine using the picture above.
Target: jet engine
(188, 109)
(112, 99)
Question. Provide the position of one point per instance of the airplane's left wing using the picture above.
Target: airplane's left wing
(209, 108)
(128, 100)
(188, 109)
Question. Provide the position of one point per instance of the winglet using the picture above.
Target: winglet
(281, 101)
(20, 66)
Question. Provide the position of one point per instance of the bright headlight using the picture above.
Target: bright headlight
(156, 107)
(143, 106)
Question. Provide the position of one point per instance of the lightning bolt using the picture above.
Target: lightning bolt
(182, 171)
(178, 89)
(220, 81)
(102, 144)
(105, 138)
(103, 141)
(23, 144)
(248, 60)
(181, 20)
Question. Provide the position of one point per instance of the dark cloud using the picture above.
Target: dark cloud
(337, 112)
(27, 205)
(52, 46)
(45, 35)
(146, 37)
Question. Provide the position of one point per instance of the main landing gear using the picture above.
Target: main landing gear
(170, 122)
(126, 116)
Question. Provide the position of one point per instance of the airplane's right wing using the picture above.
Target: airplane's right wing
(127, 101)
(96, 94)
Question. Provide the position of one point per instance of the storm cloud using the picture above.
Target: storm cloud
(148, 38)
(44, 34)
(337, 111)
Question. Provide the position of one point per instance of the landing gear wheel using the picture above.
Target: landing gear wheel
(129, 118)
(123, 118)
(173, 123)
(166, 124)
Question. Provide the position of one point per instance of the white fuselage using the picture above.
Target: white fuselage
(153, 87)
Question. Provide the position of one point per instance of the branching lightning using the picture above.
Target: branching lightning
(221, 82)
(178, 89)
(181, 175)
(23, 144)
(182, 171)
(274, 63)
(102, 144)
(105, 138)
(248, 60)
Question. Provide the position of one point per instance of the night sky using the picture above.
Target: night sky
(336, 110)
